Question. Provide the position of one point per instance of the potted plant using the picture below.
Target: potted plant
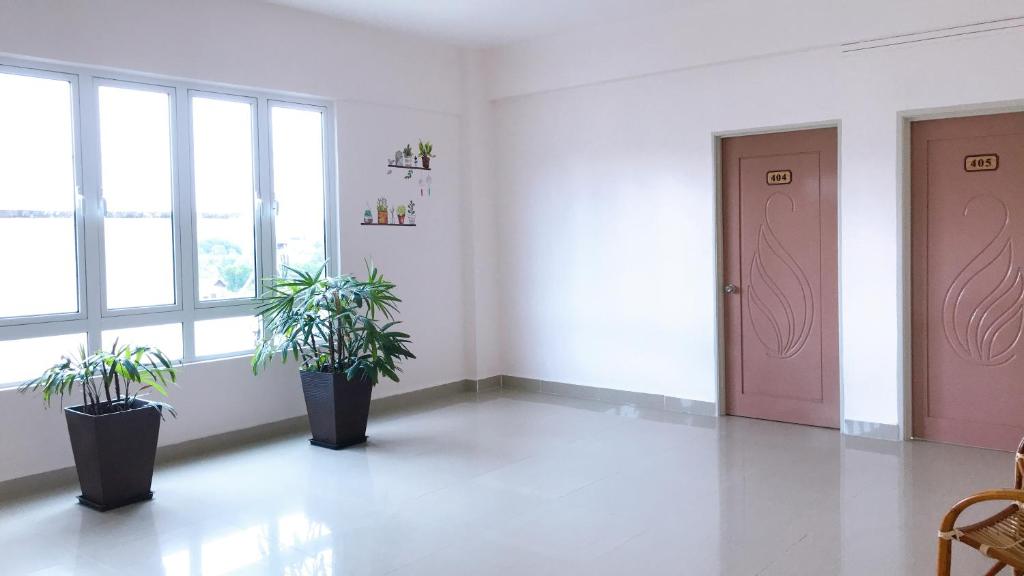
(426, 153)
(412, 212)
(382, 210)
(113, 432)
(407, 155)
(401, 214)
(342, 332)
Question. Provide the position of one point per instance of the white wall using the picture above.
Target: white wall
(703, 33)
(426, 262)
(571, 235)
(607, 181)
(389, 90)
(483, 218)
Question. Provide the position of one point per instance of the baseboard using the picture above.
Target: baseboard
(232, 440)
(695, 407)
(226, 441)
(37, 483)
(872, 430)
(610, 395)
(419, 397)
(854, 428)
(492, 384)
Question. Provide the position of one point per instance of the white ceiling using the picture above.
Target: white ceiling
(482, 22)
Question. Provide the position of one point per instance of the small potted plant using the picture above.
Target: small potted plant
(342, 332)
(401, 214)
(113, 431)
(367, 216)
(412, 212)
(382, 210)
(407, 156)
(426, 153)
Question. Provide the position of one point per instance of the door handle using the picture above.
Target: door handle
(730, 288)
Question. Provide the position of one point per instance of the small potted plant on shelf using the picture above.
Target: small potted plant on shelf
(382, 210)
(407, 156)
(113, 431)
(367, 216)
(412, 212)
(342, 332)
(401, 214)
(426, 153)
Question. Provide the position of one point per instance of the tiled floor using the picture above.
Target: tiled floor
(527, 484)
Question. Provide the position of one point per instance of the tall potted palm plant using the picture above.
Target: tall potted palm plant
(342, 332)
(113, 431)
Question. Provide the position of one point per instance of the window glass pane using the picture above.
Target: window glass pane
(37, 197)
(226, 335)
(223, 145)
(34, 355)
(297, 145)
(135, 149)
(166, 337)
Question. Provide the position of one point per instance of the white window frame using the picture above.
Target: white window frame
(330, 230)
(26, 69)
(176, 212)
(93, 316)
(258, 236)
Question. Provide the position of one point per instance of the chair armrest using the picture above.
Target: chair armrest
(986, 496)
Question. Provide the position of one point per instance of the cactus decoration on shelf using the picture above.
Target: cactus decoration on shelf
(426, 153)
(388, 215)
(406, 160)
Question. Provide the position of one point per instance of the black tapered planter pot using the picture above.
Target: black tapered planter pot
(114, 454)
(338, 408)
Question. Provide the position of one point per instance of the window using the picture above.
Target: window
(38, 199)
(35, 355)
(223, 145)
(297, 145)
(226, 336)
(188, 194)
(137, 196)
(166, 337)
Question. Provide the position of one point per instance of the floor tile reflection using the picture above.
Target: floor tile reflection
(519, 483)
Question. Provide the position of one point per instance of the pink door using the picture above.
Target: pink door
(968, 284)
(781, 277)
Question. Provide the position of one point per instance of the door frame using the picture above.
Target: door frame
(719, 277)
(904, 257)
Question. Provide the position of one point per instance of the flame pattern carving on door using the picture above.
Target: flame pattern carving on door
(983, 311)
(781, 299)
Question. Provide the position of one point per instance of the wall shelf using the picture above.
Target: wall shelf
(375, 224)
(408, 167)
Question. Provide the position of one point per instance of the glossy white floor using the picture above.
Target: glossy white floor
(526, 484)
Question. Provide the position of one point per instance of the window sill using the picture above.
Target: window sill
(13, 386)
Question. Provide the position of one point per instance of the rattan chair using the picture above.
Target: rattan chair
(1000, 537)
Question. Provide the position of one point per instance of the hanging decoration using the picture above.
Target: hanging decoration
(406, 163)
